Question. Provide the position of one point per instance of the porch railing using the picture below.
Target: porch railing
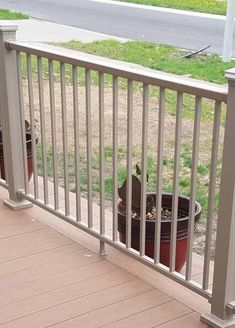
(63, 94)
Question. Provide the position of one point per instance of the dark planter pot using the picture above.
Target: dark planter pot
(29, 156)
(182, 230)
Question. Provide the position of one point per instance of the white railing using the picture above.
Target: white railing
(71, 118)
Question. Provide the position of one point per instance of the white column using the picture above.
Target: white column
(228, 32)
(223, 294)
(11, 120)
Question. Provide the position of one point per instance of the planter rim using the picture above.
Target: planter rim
(28, 137)
(182, 223)
(186, 198)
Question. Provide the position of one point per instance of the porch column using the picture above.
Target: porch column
(11, 119)
(223, 294)
(228, 31)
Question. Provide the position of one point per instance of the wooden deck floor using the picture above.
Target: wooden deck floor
(49, 280)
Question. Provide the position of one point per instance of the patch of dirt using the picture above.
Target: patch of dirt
(153, 114)
(64, 122)
(199, 238)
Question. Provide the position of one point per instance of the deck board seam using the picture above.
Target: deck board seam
(34, 280)
(172, 320)
(142, 311)
(83, 250)
(3, 291)
(77, 298)
(102, 307)
(52, 233)
(25, 256)
(57, 288)
(19, 234)
(30, 248)
(181, 316)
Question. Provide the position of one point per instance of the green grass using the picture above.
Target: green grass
(203, 6)
(164, 58)
(7, 14)
(169, 59)
(203, 171)
(160, 57)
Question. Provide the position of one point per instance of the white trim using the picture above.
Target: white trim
(228, 31)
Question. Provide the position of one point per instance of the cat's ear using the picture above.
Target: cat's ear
(138, 172)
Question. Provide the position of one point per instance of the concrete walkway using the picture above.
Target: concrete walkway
(43, 31)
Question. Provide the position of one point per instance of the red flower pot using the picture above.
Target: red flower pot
(29, 157)
(182, 230)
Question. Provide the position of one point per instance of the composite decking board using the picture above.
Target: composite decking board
(191, 320)
(34, 248)
(27, 239)
(15, 220)
(62, 253)
(83, 305)
(62, 295)
(46, 277)
(152, 317)
(55, 281)
(54, 267)
(12, 217)
(18, 229)
(15, 223)
(117, 310)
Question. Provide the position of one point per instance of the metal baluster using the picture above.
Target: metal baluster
(129, 161)
(65, 141)
(102, 250)
(159, 175)
(53, 134)
(101, 153)
(115, 155)
(144, 169)
(175, 196)
(76, 138)
(32, 123)
(19, 71)
(43, 133)
(89, 146)
(211, 197)
(196, 135)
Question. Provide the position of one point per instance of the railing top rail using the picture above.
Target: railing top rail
(123, 69)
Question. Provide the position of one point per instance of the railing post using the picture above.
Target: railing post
(223, 294)
(11, 119)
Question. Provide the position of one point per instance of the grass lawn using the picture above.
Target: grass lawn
(7, 14)
(204, 6)
(160, 57)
